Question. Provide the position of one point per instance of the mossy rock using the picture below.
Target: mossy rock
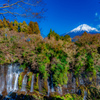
(93, 93)
(68, 97)
(77, 97)
(57, 97)
(20, 79)
(90, 79)
(36, 85)
(45, 87)
(82, 90)
(77, 82)
(37, 96)
(29, 79)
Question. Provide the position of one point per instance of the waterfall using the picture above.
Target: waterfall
(98, 79)
(16, 82)
(16, 73)
(2, 83)
(9, 78)
(81, 81)
(85, 95)
(52, 87)
(59, 90)
(73, 83)
(32, 83)
(24, 83)
(48, 88)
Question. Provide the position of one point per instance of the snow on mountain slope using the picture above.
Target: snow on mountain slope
(81, 29)
(84, 27)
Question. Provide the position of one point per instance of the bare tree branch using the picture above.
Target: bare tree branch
(11, 4)
(29, 3)
(14, 13)
(23, 8)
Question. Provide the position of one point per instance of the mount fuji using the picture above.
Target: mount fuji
(81, 29)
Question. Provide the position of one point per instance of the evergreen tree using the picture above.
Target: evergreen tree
(5, 23)
(53, 34)
(36, 28)
(30, 30)
(19, 28)
(1, 24)
(11, 26)
(24, 27)
(15, 25)
(31, 25)
(67, 38)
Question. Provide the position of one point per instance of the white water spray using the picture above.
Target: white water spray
(32, 83)
(24, 83)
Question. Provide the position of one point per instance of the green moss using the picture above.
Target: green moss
(20, 79)
(23, 66)
(29, 80)
(93, 93)
(76, 97)
(36, 85)
(37, 96)
(45, 87)
(68, 97)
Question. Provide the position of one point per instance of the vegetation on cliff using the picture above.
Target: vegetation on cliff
(55, 54)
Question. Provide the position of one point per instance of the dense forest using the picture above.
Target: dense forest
(54, 55)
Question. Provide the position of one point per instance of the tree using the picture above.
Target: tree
(5, 22)
(31, 25)
(53, 34)
(1, 24)
(11, 26)
(24, 27)
(15, 25)
(34, 28)
(22, 8)
(67, 38)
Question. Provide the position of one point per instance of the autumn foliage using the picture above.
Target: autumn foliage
(54, 55)
(32, 28)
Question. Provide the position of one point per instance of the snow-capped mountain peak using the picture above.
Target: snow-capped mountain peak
(84, 27)
(78, 31)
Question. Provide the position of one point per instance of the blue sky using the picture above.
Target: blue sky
(64, 15)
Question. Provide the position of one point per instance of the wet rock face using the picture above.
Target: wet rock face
(1, 97)
(15, 96)
(79, 92)
(14, 79)
(98, 49)
(9, 78)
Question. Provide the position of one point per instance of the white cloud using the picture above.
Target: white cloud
(98, 27)
(96, 14)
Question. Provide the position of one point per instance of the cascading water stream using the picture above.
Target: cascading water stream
(73, 83)
(32, 83)
(81, 81)
(52, 87)
(10, 83)
(85, 95)
(98, 79)
(24, 83)
(9, 79)
(16, 74)
(59, 90)
(16, 82)
(48, 88)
